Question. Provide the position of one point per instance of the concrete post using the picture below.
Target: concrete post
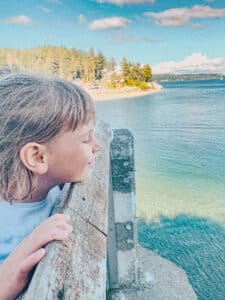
(122, 233)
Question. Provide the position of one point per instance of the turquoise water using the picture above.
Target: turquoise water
(180, 162)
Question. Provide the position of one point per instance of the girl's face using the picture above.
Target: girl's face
(71, 155)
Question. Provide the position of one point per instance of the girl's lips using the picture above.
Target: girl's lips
(91, 162)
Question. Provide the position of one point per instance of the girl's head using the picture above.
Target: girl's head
(35, 109)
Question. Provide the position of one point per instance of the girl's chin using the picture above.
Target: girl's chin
(84, 176)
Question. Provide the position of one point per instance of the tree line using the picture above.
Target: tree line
(73, 64)
(133, 74)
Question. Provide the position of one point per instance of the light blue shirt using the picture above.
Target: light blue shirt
(17, 220)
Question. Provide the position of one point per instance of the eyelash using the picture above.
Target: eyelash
(87, 141)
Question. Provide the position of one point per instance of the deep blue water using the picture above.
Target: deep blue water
(180, 162)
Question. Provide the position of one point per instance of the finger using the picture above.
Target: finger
(60, 217)
(57, 234)
(31, 261)
(69, 228)
(60, 235)
(65, 226)
(47, 231)
(67, 217)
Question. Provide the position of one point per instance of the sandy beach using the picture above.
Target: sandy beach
(106, 95)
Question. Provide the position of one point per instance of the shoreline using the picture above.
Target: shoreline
(107, 95)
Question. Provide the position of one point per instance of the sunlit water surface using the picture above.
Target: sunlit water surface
(180, 176)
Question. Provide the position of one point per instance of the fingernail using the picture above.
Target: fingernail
(41, 251)
(67, 217)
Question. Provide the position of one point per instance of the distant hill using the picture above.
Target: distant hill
(180, 77)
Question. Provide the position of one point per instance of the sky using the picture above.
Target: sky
(176, 36)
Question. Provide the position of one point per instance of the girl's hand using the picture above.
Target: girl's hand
(15, 270)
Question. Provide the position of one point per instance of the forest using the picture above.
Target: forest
(76, 65)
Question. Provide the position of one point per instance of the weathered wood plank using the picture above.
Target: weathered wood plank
(76, 269)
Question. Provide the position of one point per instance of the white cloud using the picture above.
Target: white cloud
(109, 23)
(121, 37)
(195, 63)
(182, 16)
(21, 20)
(121, 2)
(81, 19)
(44, 9)
(206, 12)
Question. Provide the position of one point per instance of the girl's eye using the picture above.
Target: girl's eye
(87, 141)
(89, 138)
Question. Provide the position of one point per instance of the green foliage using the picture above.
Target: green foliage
(100, 64)
(73, 64)
(147, 73)
(142, 85)
(110, 85)
(126, 70)
(136, 75)
(67, 63)
(139, 84)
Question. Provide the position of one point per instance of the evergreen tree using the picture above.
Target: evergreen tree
(100, 64)
(136, 73)
(84, 68)
(91, 65)
(147, 73)
(74, 64)
(126, 70)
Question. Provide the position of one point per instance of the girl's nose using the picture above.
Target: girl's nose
(97, 145)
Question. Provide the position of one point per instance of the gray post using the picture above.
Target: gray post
(122, 235)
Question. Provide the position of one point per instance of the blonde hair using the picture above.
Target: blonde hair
(35, 108)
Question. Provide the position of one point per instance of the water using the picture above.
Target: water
(180, 178)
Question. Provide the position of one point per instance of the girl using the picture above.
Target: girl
(46, 139)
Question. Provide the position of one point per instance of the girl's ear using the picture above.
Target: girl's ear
(34, 158)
